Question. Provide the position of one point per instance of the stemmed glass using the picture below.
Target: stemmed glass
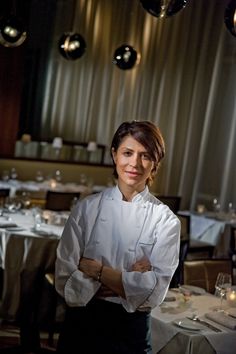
(216, 205)
(222, 286)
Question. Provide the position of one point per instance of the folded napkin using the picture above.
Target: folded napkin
(44, 232)
(6, 224)
(222, 318)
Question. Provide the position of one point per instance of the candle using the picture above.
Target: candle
(231, 298)
(201, 208)
(53, 183)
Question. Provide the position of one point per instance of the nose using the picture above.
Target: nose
(134, 160)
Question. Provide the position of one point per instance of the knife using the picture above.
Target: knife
(207, 324)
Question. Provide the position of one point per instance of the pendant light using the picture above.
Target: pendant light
(72, 45)
(163, 8)
(230, 17)
(12, 29)
(126, 57)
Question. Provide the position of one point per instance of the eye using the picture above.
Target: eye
(146, 156)
(127, 153)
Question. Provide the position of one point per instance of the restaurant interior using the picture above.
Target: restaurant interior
(70, 74)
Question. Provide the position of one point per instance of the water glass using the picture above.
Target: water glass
(222, 286)
(216, 205)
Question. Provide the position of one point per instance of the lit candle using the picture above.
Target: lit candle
(231, 298)
(53, 183)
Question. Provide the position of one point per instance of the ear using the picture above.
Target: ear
(114, 155)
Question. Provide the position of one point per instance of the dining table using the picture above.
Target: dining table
(25, 247)
(174, 329)
(28, 242)
(38, 189)
(213, 228)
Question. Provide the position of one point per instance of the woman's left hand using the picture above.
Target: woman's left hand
(142, 266)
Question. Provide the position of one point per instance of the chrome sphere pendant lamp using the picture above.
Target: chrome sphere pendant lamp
(163, 8)
(12, 29)
(126, 57)
(230, 17)
(72, 45)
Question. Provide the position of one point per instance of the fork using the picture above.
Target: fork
(205, 323)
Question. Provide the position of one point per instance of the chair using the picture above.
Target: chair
(184, 245)
(203, 273)
(173, 202)
(59, 201)
(4, 193)
(200, 250)
(233, 250)
(196, 249)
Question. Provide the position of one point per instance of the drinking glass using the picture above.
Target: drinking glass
(216, 205)
(222, 286)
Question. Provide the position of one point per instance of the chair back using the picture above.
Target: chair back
(183, 251)
(4, 193)
(203, 273)
(233, 250)
(173, 202)
(59, 201)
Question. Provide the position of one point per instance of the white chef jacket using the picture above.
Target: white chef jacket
(118, 233)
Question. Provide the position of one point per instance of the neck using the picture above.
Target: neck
(129, 192)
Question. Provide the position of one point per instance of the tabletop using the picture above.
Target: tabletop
(172, 332)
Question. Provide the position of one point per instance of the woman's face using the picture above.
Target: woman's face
(133, 163)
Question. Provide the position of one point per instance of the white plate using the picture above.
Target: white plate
(195, 290)
(15, 228)
(188, 324)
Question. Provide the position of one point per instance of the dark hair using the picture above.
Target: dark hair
(147, 134)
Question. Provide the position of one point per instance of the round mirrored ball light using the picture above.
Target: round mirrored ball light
(12, 32)
(126, 57)
(72, 46)
(230, 17)
(159, 8)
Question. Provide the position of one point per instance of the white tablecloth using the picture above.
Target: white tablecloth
(24, 251)
(169, 338)
(40, 188)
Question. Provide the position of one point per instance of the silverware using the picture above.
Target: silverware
(204, 323)
(229, 314)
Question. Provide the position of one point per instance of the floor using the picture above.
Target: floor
(10, 341)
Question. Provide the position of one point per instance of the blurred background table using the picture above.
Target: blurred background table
(212, 228)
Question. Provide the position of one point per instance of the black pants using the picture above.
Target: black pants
(103, 327)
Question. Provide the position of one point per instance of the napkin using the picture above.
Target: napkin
(6, 224)
(44, 232)
(222, 318)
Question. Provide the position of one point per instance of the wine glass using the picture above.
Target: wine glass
(222, 286)
(216, 205)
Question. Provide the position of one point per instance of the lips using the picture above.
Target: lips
(132, 174)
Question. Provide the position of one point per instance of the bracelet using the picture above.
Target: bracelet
(99, 275)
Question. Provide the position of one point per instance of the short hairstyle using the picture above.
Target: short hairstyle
(147, 134)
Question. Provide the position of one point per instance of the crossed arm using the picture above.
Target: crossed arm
(110, 278)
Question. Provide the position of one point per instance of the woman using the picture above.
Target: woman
(118, 252)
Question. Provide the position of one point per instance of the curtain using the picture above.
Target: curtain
(185, 83)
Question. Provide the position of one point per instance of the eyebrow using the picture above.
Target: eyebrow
(130, 149)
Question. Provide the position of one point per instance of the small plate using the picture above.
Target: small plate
(15, 228)
(188, 324)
